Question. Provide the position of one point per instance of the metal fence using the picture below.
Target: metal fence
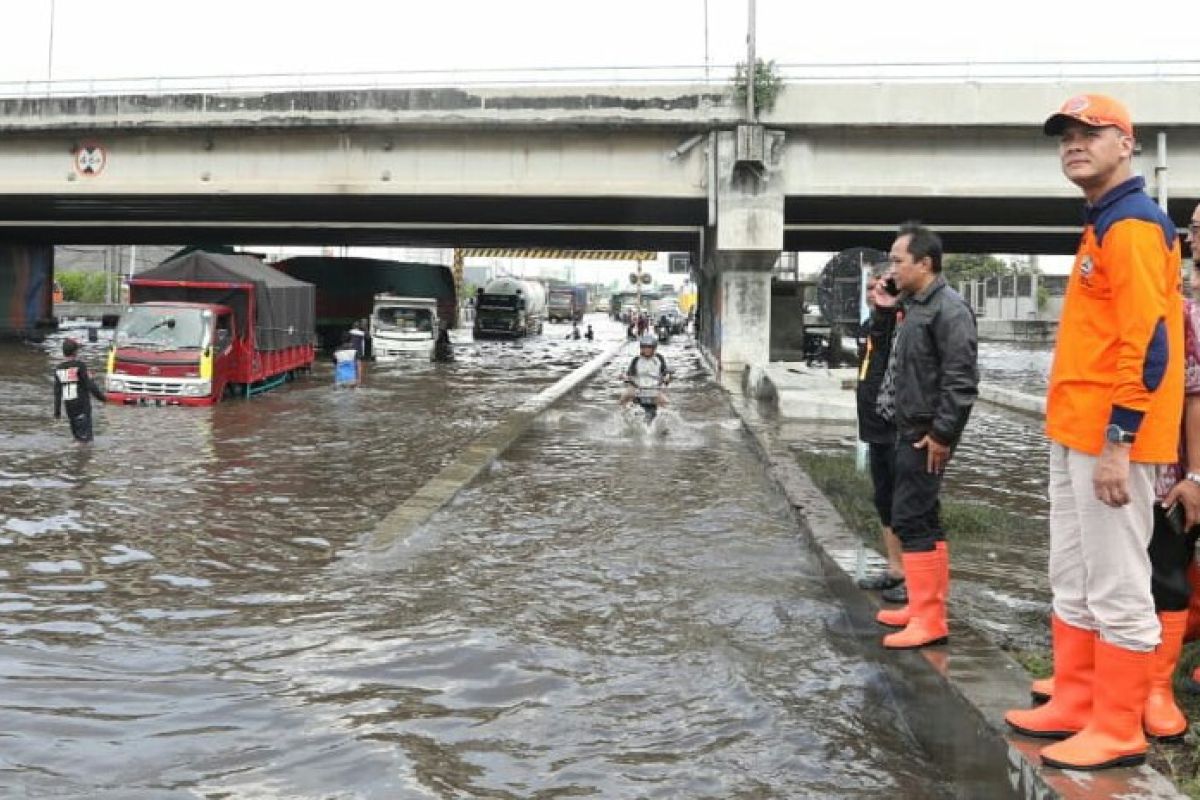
(717, 76)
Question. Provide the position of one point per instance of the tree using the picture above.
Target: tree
(976, 266)
(972, 266)
(83, 287)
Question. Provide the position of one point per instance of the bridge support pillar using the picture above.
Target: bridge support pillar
(26, 286)
(740, 252)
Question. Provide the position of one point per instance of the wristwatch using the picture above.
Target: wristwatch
(1118, 435)
(1194, 477)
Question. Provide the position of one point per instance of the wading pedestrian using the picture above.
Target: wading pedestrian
(73, 389)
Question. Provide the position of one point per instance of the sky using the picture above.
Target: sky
(91, 40)
(122, 38)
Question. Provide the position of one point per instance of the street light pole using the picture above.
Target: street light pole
(50, 51)
(750, 66)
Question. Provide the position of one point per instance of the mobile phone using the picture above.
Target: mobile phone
(1177, 519)
(890, 286)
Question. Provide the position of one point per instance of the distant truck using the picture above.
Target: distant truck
(205, 326)
(507, 307)
(402, 326)
(567, 303)
(347, 288)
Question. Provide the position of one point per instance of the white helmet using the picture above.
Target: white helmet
(648, 340)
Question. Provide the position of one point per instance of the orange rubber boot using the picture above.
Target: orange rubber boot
(899, 617)
(1193, 623)
(1042, 689)
(928, 577)
(1162, 718)
(1113, 737)
(1070, 707)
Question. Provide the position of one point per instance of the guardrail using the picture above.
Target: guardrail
(717, 76)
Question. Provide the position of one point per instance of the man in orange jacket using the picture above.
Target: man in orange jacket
(1112, 414)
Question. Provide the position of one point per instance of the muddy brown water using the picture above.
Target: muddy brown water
(187, 610)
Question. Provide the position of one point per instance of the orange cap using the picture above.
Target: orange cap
(1096, 110)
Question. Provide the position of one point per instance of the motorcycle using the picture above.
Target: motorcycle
(663, 331)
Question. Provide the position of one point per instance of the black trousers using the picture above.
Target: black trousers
(81, 426)
(916, 509)
(1170, 555)
(882, 459)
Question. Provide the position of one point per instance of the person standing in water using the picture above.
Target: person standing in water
(73, 388)
(346, 362)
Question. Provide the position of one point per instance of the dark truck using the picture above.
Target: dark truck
(567, 303)
(204, 325)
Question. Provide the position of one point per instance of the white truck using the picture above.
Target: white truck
(403, 326)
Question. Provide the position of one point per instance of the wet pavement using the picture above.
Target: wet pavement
(188, 611)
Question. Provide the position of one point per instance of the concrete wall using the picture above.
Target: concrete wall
(787, 322)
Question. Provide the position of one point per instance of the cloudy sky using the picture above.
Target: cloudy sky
(161, 38)
(121, 38)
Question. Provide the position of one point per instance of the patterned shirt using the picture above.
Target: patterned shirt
(1171, 474)
(885, 403)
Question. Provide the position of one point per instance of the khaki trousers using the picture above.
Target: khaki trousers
(1099, 566)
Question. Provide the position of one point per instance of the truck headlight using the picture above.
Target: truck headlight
(116, 385)
(200, 389)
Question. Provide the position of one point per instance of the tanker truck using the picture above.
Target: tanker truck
(508, 307)
(204, 325)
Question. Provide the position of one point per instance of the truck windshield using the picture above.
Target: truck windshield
(404, 318)
(498, 302)
(160, 328)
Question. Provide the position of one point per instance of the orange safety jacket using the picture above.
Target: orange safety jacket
(1119, 355)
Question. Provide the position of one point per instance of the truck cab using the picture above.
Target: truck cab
(173, 353)
(403, 325)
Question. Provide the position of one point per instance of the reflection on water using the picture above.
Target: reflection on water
(609, 613)
(1014, 365)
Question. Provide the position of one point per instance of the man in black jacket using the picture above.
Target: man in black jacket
(72, 387)
(928, 390)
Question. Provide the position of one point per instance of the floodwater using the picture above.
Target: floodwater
(187, 609)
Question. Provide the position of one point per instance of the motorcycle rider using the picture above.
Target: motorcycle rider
(648, 375)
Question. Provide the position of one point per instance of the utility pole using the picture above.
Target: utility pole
(706, 79)
(751, 68)
(50, 51)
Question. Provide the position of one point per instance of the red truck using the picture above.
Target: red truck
(205, 326)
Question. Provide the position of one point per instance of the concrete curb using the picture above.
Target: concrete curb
(953, 698)
(1013, 400)
(476, 457)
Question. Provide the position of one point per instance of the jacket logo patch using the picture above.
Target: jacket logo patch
(1086, 267)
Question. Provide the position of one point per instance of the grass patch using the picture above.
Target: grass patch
(850, 491)
(1038, 663)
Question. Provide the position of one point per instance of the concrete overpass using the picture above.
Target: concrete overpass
(651, 167)
(579, 167)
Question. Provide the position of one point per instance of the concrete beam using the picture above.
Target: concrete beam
(673, 107)
(321, 161)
